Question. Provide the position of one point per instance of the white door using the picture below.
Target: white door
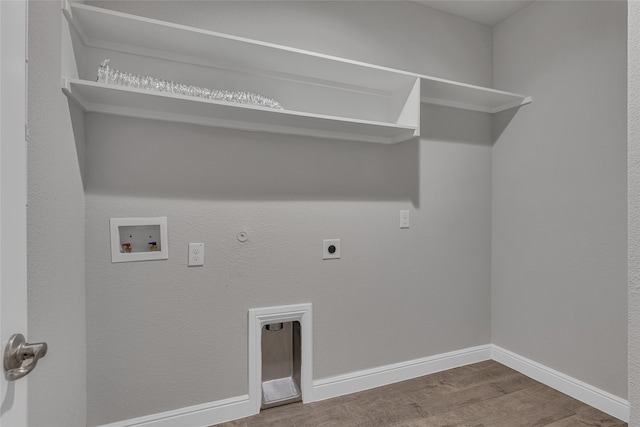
(13, 199)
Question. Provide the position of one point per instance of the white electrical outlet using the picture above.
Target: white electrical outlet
(196, 254)
(404, 219)
(331, 249)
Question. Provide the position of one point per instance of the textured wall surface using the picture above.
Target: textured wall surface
(559, 224)
(559, 281)
(395, 295)
(55, 237)
(633, 148)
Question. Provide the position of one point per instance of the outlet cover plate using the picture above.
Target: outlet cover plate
(196, 254)
(404, 219)
(326, 244)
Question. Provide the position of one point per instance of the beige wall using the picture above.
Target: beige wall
(395, 295)
(558, 198)
(559, 258)
(634, 209)
(55, 237)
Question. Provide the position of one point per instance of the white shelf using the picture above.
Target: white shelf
(324, 96)
(107, 29)
(121, 101)
(468, 97)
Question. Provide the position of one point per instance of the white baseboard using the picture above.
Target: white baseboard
(326, 388)
(194, 416)
(593, 396)
(340, 385)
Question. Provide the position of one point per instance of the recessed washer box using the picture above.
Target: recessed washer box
(139, 239)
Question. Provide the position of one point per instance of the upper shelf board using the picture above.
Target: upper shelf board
(468, 97)
(103, 28)
(122, 101)
(107, 29)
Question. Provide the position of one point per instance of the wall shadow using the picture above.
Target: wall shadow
(9, 397)
(77, 116)
(501, 120)
(448, 124)
(147, 158)
(463, 126)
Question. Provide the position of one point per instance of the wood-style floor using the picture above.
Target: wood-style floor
(485, 394)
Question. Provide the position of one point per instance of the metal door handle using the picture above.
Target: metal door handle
(17, 351)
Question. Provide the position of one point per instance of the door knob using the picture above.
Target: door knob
(18, 351)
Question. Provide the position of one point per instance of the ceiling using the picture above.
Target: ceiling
(488, 12)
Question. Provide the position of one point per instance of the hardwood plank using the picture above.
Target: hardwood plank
(456, 400)
(485, 394)
(513, 383)
(538, 405)
(576, 421)
(588, 416)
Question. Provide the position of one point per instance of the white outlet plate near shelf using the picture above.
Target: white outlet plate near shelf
(404, 219)
(196, 254)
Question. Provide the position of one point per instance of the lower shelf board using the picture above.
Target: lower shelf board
(123, 101)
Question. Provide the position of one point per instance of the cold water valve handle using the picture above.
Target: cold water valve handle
(16, 352)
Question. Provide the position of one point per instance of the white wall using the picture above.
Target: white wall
(559, 191)
(633, 149)
(55, 237)
(164, 336)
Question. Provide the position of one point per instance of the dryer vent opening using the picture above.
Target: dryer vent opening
(281, 364)
(274, 327)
